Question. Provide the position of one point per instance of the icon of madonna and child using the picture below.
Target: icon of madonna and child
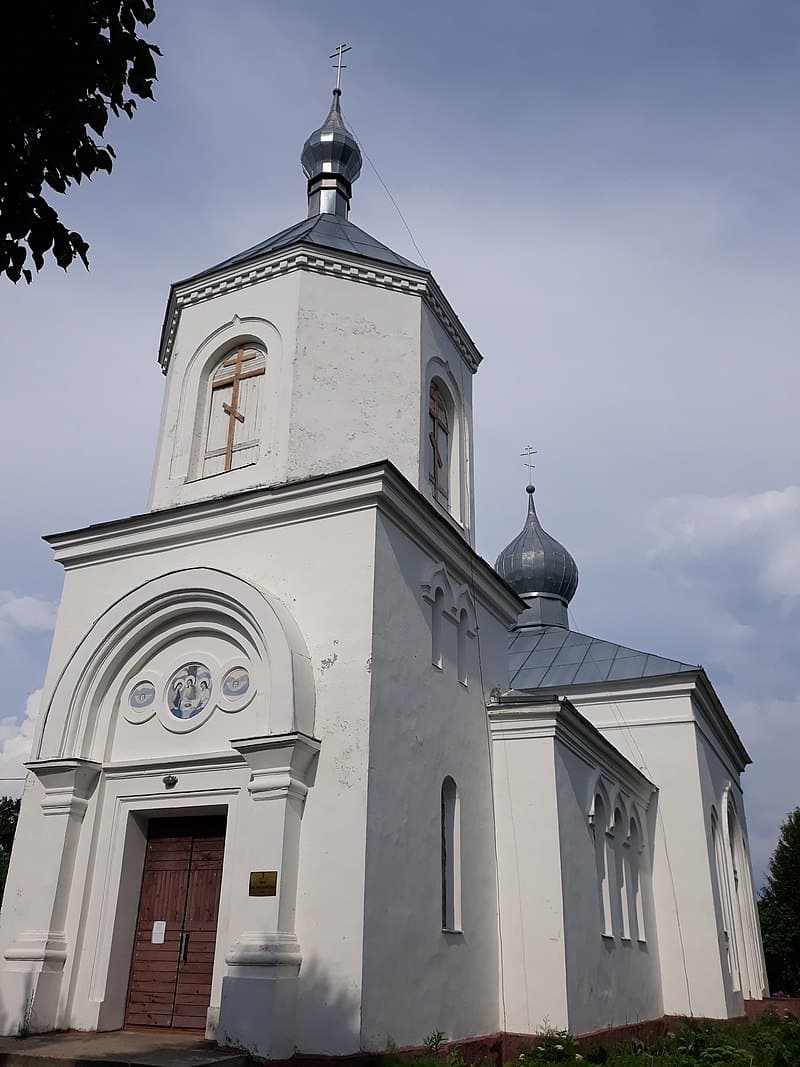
(189, 690)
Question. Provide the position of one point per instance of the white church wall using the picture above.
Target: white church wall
(530, 884)
(323, 572)
(356, 381)
(426, 726)
(613, 979)
(741, 952)
(654, 727)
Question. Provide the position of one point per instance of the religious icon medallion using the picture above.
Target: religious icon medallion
(142, 696)
(235, 683)
(189, 690)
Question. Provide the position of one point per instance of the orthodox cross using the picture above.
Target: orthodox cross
(528, 455)
(439, 428)
(232, 409)
(338, 65)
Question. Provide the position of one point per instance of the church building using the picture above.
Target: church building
(311, 775)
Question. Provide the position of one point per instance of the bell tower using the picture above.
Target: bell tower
(317, 350)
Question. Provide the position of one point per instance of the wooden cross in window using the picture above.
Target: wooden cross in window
(438, 435)
(232, 409)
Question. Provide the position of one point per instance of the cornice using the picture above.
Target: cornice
(555, 717)
(379, 486)
(707, 712)
(320, 261)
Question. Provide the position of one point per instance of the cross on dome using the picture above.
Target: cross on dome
(338, 66)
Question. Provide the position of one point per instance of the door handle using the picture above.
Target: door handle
(184, 946)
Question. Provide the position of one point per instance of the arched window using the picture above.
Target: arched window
(451, 857)
(463, 666)
(635, 852)
(437, 611)
(621, 876)
(602, 856)
(439, 419)
(745, 922)
(231, 432)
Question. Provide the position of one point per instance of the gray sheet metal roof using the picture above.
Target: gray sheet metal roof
(325, 231)
(543, 656)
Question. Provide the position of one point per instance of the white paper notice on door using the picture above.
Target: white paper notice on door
(159, 929)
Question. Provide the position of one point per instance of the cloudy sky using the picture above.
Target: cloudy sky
(609, 195)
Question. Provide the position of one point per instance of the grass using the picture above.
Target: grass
(770, 1041)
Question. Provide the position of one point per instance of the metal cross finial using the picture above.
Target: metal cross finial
(338, 65)
(528, 455)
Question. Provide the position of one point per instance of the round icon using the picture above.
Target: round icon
(189, 690)
(235, 683)
(142, 695)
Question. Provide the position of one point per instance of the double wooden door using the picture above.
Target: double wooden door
(176, 928)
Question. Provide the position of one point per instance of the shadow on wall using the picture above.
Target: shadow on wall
(13, 1022)
(328, 1013)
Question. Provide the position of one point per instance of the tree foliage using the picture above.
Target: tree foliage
(779, 910)
(65, 67)
(9, 814)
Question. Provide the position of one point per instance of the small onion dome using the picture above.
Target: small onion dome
(535, 564)
(331, 161)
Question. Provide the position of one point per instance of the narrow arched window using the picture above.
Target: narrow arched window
(451, 856)
(439, 443)
(635, 853)
(621, 849)
(232, 431)
(602, 856)
(463, 666)
(724, 900)
(437, 611)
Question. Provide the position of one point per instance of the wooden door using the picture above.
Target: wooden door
(176, 928)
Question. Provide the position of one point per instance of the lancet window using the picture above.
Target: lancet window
(439, 443)
(232, 431)
(451, 857)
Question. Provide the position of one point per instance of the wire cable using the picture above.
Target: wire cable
(388, 193)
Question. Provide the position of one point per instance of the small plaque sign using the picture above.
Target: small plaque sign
(263, 883)
(159, 930)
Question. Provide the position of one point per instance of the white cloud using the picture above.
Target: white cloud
(759, 531)
(18, 613)
(740, 556)
(16, 739)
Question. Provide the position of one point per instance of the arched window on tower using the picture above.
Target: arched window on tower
(232, 431)
(451, 857)
(439, 429)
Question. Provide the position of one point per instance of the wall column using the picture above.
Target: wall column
(259, 993)
(38, 953)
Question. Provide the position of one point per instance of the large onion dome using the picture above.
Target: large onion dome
(331, 161)
(540, 569)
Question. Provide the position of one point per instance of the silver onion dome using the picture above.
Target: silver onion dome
(540, 569)
(331, 161)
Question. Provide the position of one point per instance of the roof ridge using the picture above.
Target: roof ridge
(348, 239)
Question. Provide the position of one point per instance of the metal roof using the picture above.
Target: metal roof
(543, 656)
(325, 231)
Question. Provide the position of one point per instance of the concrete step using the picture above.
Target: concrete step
(120, 1048)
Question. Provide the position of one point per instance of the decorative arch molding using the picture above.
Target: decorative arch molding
(457, 596)
(614, 798)
(452, 600)
(76, 716)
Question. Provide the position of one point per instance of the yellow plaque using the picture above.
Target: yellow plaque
(263, 883)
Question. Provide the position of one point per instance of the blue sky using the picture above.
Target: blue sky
(608, 193)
